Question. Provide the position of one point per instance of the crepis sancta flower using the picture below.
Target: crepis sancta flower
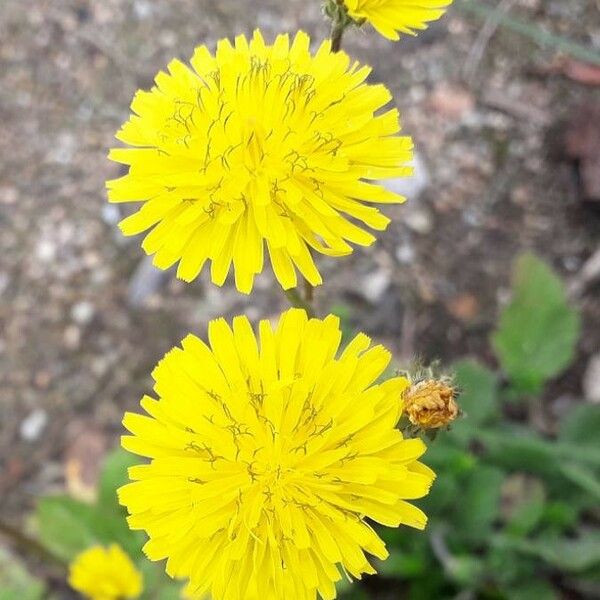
(259, 144)
(270, 458)
(101, 573)
(393, 17)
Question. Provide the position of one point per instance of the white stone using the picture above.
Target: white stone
(111, 214)
(410, 187)
(142, 9)
(82, 312)
(375, 284)
(418, 220)
(33, 425)
(45, 251)
(405, 253)
(591, 380)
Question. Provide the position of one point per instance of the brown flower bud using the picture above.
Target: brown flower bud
(430, 404)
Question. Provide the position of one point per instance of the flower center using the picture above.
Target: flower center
(255, 144)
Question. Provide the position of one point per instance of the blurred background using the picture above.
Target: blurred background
(493, 267)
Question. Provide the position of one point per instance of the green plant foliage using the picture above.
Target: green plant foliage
(67, 527)
(479, 506)
(113, 476)
(16, 583)
(537, 333)
(528, 509)
(568, 555)
(511, 513)
(478, 387)
(582, 425)
(532, 590)
(344, 313)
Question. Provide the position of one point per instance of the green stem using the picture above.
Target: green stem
(297, 301)
(533, 32)
(28, 544)
(337, 12)
(309, 292)
(337, 33)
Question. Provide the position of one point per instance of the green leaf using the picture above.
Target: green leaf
(520, 448)
(538, 331)
(582, 425)
(560, 516)
(402, 564)
(528, 509)
(479, 504)
(350, 591)
(446, 458)
(504, 568)
(66, 526)
(478, 399)
(15, 582)
(170, 590)
(585, 478)
(526, 517)
(465, 570)
(112, 516)
(344, 312)
(442, 496)
(157, 584)
(478, 392)
(532, 590)
(565, 554)
(113, 476)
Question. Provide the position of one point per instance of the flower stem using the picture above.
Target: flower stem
(29, 544)
(297, 301)
(337, 12)
(309, 292)
(337, 33)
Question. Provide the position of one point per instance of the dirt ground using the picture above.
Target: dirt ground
(80, 328)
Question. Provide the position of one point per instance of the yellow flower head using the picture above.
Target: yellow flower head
(258, 143)
(430, 404)
(268, 457)
(389, 17)
(105, 574)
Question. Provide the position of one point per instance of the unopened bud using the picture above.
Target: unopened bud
(430, 404)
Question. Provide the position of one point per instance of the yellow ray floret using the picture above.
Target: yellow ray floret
(259, 145)
(270, 457)
(392, 17)
(102, 573)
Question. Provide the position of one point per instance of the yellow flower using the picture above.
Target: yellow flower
(270, 458)
(389, 17)
(105, 574)
(430, 404)
(258, 144)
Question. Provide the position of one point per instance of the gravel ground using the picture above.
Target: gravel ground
(80, 329)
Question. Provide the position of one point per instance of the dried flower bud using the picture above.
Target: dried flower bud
(430, 404)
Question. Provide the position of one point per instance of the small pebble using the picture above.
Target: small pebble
(82, 312)
(375, 284)
(33, 425)
(591, 380)
(405, 253)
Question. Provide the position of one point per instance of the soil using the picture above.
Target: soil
(79, 334)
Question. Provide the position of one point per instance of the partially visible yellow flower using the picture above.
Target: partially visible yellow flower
(101, 573)
(259, 145)
(430, 404)
(270, 459)
(391, 17)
